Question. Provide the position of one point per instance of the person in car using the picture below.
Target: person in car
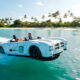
(30, 36)
(14, 39)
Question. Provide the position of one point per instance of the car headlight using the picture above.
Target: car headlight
(50, 48)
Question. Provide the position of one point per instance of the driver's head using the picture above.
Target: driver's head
(29, 34)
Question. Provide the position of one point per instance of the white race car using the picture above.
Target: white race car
(43, 49)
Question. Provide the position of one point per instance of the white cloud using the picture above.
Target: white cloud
(39, 3)
(76, 9)
(20, 5)
(77, 6)
(20, 17)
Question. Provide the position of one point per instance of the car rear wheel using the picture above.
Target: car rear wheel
(1, 50)
(35, 52)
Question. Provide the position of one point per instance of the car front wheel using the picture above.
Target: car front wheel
(35, 52)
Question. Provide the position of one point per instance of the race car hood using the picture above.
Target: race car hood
(48, 41)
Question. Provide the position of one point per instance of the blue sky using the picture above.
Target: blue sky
(17, 8)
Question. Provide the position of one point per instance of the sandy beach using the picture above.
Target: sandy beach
(61, 28)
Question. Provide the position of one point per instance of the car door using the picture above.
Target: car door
(12, 48)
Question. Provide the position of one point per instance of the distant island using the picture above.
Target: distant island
(10, 23)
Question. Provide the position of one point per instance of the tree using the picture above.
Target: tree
(25, 24)
(43, 17)
(35, 20)
(2, 21)
(18, 23)
(76, 22)
(57, 13)
(25, 17)
(54, 15)
(10, 20)
(32, 18)
(65, 15)
(2, 25)
(49, 15)
(49, 23)
(57, 16)
(70, 14)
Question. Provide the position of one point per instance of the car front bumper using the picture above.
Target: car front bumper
(53, 57)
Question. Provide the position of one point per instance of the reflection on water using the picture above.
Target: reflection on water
(66, 67)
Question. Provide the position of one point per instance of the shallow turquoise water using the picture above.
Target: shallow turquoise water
(66, 67)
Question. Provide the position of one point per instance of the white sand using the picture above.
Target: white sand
(61, 28)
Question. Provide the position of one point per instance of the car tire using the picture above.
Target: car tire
(1, 50)
(35, 52)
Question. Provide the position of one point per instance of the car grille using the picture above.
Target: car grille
(62, 44)
(57, 46)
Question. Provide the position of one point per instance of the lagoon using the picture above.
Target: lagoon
(66, 67)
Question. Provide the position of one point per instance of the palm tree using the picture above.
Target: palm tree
(53, 15)
(49, 15)
(7, 21)
(35, 19)
(60, 20)
(70, 13)
(25, 17)
(2, 20)
(65, 15)
(11, 19)
(43, 17)
(32, 18)
(57, 13)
